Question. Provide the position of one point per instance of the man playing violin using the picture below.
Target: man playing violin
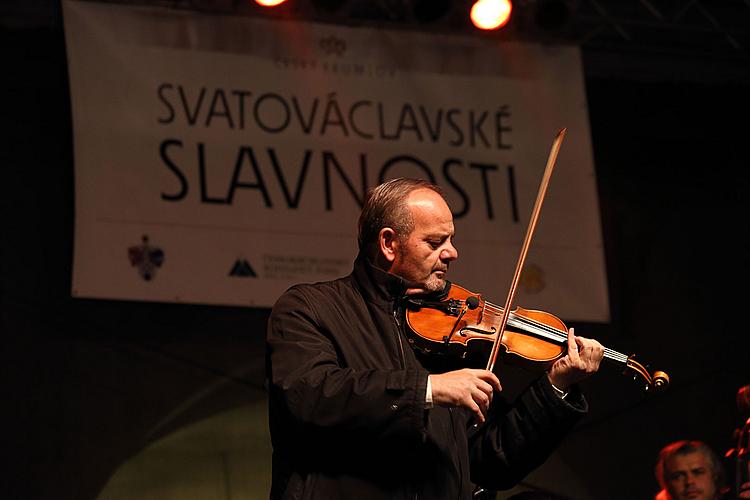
(355, 413)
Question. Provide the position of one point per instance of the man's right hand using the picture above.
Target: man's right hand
(469, 388)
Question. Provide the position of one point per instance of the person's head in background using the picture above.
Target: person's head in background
(689, 470)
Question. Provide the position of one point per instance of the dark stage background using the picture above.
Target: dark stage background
(89, 383)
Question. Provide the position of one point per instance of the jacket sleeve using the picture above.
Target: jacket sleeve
(520, 437)
(318, 395)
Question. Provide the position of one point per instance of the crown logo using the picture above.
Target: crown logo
(333, 46)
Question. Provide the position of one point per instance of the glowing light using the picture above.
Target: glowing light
(269, 3)
(490, 14)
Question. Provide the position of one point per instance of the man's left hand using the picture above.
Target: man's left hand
(582, 359)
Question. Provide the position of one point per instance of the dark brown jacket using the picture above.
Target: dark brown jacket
(347, 405)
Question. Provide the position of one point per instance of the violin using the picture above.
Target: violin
(461, 321)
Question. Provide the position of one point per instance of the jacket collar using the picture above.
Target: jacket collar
(376, 284)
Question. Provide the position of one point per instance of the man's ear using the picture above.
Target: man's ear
(388, 244)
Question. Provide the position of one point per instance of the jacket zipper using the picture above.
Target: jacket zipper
(398, 336)
(403, 356)
(460, 465)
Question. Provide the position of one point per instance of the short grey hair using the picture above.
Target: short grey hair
(685, 447)
(386, 206)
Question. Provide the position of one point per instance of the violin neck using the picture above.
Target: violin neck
(556, 335)
(615, 356)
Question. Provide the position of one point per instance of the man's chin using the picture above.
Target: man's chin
(693, 494)
(430, 286)
(434, 284)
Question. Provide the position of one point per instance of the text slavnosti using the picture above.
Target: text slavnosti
(280, 176)
(368, 119)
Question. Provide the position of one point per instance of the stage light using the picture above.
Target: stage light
(269, 3)
(491, 14)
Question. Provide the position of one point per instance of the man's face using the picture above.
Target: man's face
(690, 476)
(422, 259)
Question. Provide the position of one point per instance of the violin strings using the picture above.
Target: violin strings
(547, 331)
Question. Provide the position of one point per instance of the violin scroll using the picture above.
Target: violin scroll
(658, 380)
(661, 380)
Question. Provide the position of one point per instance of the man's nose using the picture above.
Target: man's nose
(449, 253)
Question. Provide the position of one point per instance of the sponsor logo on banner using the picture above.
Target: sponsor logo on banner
(242, 269)
(146, 257)
(533, 279)
(303, 267)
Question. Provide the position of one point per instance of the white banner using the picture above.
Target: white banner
(221, 159)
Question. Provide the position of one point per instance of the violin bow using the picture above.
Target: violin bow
(554, 150)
